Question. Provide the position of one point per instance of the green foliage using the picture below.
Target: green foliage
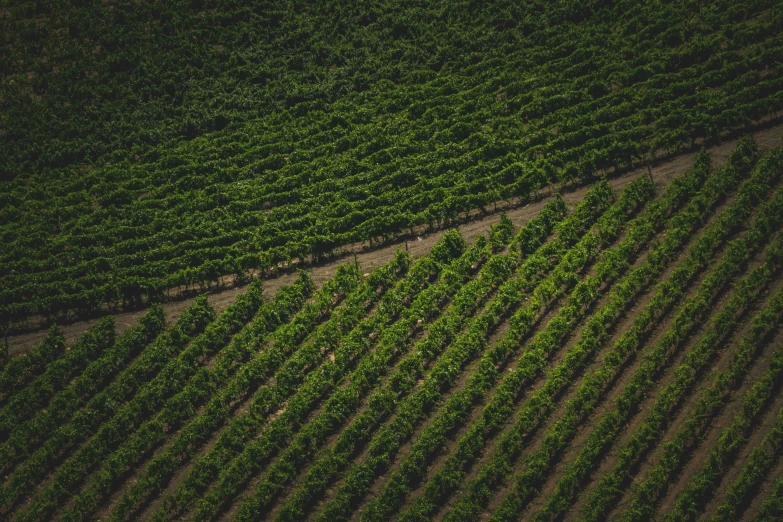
(167, 146)
(413, 391)
(154, 149)
(501, 233)
(524, 287)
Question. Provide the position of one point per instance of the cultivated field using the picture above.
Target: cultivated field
(619, 359)
(340, 260)
(151, 148)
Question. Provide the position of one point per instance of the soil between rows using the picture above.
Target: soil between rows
(662, 173)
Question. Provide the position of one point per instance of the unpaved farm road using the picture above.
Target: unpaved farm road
(370, 258)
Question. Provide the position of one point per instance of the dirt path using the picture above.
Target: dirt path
(368, 259)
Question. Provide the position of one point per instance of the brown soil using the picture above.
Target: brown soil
(763, 492)
(535, 436)
(721, 421)
(756, 438)
(681, 412)
(627, 372)
(369, 258)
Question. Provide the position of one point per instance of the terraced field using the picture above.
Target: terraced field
(616, 358)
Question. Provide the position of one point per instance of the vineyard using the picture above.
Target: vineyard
(613, 352)
(153, 148)
(619, 358)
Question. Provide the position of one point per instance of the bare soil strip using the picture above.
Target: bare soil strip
(684, 409)
(662, 173)
(609, 394)
(763, 428)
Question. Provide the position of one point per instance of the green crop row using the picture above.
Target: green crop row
(26, 402)
(666, 295)
(258, 368)
(176, 391)
(413, 318)
(594, 333)
(558, 436)
(86, 422)
(680, 227)
(469, 446)
(314, 171)
(645, 494)
(19, 371)
(695, 362)
(383, 401)
(324, 339)
(755, 470)
(291, 353)
(100, 399)
(455, 412)
(525, 286)
(350, 351)
(260, 365)
(701, 487)
(772, 508)
(96, 375)
(348, 399)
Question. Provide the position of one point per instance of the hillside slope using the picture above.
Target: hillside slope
(149, 146)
